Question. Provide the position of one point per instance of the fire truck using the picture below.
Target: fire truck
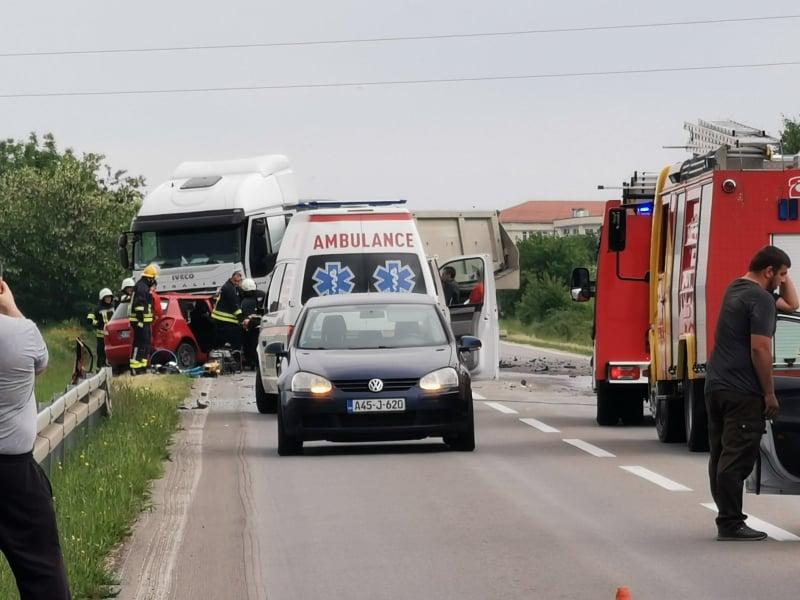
(620, 356)
(711, 214)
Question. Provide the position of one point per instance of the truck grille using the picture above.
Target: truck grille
(361, 385)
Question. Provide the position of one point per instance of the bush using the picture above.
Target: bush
(546, 295)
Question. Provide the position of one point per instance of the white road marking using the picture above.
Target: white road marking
(501, 407)
(776, 533)
(477, 396)
(590, 448)
(544, 427)
(667, 484)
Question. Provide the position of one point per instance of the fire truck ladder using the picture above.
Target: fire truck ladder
(641, 188)
(740, 140)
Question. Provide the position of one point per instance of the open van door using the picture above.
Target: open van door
(778, 468)
(472, 303)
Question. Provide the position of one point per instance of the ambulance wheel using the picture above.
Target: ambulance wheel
(669, 419)
(607, 405)
(694, 411)
(266, 403)
(632, 404)
(287, 445)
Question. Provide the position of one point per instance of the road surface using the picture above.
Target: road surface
(548, 506)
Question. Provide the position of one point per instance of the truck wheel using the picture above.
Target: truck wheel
(669, 419)
(287, 445)
(607, 406)
(632, 405)
(186, 355)
(695, 418)
(266, 403)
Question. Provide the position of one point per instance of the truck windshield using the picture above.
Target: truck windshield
(184, 248)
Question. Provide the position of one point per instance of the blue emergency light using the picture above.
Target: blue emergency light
(644, 209)
(787, 209)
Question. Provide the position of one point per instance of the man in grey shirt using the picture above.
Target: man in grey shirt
(28, 532)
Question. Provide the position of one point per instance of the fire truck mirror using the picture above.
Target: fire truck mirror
(580, 285)
(617, 221)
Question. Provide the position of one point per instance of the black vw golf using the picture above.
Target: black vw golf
(373, 367)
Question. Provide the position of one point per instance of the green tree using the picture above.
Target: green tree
(790, 136)
(60, 215)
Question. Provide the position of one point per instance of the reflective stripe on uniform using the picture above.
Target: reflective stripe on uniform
(218, 315)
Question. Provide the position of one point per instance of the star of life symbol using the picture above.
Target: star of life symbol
(333, 279)
(394, 277)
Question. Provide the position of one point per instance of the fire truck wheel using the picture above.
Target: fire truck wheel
(669, 419)
(695, 418)
(632, 406)
(607, 405)
(265, 403)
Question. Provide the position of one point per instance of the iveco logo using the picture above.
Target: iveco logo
(183, 276)
(375, 385)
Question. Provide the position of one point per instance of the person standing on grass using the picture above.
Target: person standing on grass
(739, 390)
(28, 530)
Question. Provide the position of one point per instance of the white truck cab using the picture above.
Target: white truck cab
(210, 219)
(369, 248)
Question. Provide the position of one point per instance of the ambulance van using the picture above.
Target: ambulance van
(370, 248)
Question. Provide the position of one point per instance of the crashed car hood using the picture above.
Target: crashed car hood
(384, 363)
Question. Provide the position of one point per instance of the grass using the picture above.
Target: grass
(518, 332)
(104, 482)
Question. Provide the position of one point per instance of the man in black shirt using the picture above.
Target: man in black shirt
(450, 286)
(739, 388)
(227, 314)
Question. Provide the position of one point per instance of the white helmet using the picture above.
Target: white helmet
(106, 292)
(128, 282)
(248, 285)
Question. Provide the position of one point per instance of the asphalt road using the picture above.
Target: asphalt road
(533, 513)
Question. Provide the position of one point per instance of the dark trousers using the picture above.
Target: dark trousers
(229, 333)
(142, 347)
(735, 425)
(100, 359)
(28, 532)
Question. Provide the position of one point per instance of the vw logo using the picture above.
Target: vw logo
(375, 385)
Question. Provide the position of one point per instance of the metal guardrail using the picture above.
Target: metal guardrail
(74, 411)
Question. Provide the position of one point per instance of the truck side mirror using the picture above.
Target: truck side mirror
(617, 225)
(580, 285)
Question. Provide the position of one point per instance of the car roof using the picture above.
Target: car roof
(370, 298)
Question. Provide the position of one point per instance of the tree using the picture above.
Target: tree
(790, 136)
(60, 216)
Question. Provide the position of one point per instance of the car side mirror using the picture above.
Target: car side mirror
(468, 343)
(617, 227)
(580, 285)
(276, 348)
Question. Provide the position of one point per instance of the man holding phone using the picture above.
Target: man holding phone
(28, 531)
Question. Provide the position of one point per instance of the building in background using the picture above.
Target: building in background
(552, 217)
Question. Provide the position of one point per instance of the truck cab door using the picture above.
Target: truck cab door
(473, 311)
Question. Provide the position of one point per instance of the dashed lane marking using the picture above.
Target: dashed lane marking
(776, 533)
(590, 448)
(543, 427)
(477, 396)
(501, 407)
(660, 480)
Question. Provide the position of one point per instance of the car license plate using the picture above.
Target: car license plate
(124, 334)
(376, 405)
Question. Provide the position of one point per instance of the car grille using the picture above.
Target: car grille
(362, 385)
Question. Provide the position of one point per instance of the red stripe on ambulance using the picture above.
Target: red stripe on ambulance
(361, 217)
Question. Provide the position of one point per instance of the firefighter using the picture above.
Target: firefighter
(227, 314)
(126, 291)
(740, 392)
(98, 319)
(141, 318)
(252, 306)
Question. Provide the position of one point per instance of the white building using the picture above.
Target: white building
(553, 217)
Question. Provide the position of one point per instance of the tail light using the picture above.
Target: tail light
(625, 373)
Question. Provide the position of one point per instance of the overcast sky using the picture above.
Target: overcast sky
(487, 144)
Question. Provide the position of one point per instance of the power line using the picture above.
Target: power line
(296, 86)
(448, 36)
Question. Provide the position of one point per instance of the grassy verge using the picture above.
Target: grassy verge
(520, 333)
(104, 482)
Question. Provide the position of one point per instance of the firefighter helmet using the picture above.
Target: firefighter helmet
(106, 292)
(128, 282)
(248, 285)
(150, 271)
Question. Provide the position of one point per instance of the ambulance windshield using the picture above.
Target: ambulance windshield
(188, 247)
(328, 274)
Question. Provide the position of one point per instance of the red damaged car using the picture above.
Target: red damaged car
(183, 326)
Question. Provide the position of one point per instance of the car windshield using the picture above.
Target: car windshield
(371, 326)
(183, 248)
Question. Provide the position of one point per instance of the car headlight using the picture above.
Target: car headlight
(309, 382)
(441, 379)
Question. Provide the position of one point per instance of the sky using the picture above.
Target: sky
(479, 144)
